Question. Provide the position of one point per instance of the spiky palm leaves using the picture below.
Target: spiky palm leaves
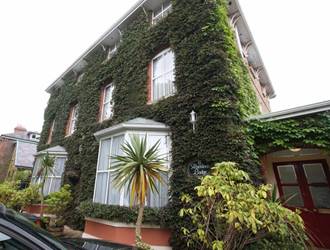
(46, 168)
(139, 168)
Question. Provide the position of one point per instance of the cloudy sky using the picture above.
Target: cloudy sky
(39, 39)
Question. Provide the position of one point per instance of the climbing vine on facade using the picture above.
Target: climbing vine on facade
(210, 78)
(307, 131)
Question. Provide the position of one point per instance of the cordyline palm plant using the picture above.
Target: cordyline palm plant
(46, 168)
(139, 168)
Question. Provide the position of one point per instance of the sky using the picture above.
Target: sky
(40, 39)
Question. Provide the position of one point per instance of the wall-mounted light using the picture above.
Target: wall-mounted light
(295, 150)
(193, 119)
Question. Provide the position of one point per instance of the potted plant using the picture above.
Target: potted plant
(57, 203)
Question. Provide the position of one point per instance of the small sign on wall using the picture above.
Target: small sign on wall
(198, 168)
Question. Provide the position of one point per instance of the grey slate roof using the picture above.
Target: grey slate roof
(25, 152)
(58, 150)
(140, 124)
(294, 112)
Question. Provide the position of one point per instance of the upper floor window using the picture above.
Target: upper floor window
(73, 118)
(163, 75)
(80, 77)
(112, 51)
(161, 12)
(50, 133)
(107, 102)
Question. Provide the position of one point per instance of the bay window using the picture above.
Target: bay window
(163, 75)
(110, 145)
(53, 180)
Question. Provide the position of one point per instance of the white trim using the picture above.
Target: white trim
(159, 55)
(50, 135)
(162, 14)
(126, 18)
(111, 51)
(294, 112)
(50, 176)
(122, 127)
(102, 119)
(73, 119)
(97, 166)
(125, 135)
(16, 149)
(59, 81)
(235, 9)
(106, 198)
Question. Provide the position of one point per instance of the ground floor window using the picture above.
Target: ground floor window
(105, 192)
(54, 178)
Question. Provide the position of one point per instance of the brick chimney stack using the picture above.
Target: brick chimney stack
(20, 130)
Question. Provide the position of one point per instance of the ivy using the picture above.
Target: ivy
(210, 78)
(308, 131)
(152, 216)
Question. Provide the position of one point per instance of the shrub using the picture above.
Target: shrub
(153, 216)
(231, 213)
(58, 201)
(12, 197)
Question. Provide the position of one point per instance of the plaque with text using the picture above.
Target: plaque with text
(198, 168)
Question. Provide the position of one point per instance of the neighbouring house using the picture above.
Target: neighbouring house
(186, 73)
(294, 148)
(17, 151)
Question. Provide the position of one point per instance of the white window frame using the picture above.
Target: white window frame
(104, 102)
(111, 51)
(164, 12)
(80, 77)
(126, 138)
(50, 135)
(73, 120)
(162, 53)
(50, 176)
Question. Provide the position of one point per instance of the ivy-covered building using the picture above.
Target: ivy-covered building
(161, 61)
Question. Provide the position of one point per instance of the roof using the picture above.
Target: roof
(137, 124)
(25, 152)
(247, 40)
(111, 36)
(18, 137)
(294, 112)
(57, 150)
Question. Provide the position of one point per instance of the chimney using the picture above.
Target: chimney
(20, 130)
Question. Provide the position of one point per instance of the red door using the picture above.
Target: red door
(306, 185)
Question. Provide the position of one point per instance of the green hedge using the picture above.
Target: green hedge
(210, 79)
(151, 216)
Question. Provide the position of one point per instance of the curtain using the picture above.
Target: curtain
(114, 196)
(159, 199)
(102, 172)
(163, 75)
(100, 187)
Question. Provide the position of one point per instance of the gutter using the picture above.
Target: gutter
(128, 14)
(19, 139)
(294, 112)
(59, 81)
